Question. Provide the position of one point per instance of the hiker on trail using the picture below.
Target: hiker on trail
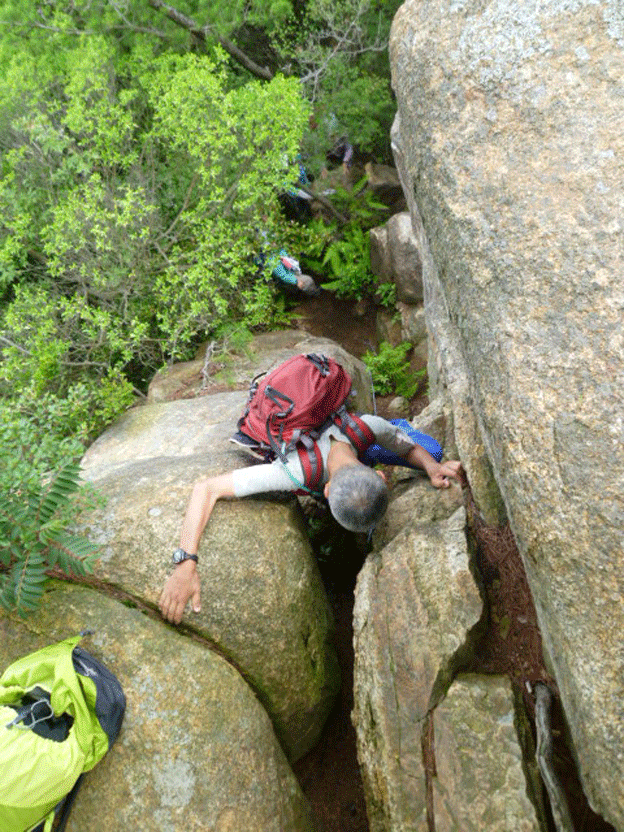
(285, 269)
(357, 495)
(341, 153)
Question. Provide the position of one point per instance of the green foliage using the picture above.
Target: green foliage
(386, 294)
(37, 505)
(131, 190)
(139, 164)
(391, 372)
(348, 259)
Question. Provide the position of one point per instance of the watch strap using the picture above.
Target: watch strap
(179, 556)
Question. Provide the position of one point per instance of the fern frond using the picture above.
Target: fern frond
(58, 491)
(74, 553)
(29, 580)
(7, 597)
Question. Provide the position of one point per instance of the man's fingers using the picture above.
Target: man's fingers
(196, 600)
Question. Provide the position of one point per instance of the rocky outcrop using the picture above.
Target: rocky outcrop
(395, 258)
(509, 140)
(416, 604)
(438, 748)
(196, 750)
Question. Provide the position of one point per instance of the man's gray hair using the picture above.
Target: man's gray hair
(358, 497)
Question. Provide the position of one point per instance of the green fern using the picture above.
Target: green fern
(33, 539)
(391, 372)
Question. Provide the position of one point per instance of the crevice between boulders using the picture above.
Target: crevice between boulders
(507, 641)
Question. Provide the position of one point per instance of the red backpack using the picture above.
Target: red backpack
(288, 408)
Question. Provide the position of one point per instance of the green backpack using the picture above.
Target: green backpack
(60, 711)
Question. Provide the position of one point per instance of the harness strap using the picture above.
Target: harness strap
(311, 461)
(355, 429)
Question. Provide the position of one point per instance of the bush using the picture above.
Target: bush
(37, 507)
(391, 370)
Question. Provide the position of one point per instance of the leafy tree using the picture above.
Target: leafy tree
(132, 196)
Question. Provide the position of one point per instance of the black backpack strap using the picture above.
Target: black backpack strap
(63, 815)
(253, 386)
(320, 362)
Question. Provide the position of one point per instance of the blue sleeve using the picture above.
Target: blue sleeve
(376, 454)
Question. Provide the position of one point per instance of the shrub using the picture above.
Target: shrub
(391, 370)
(37, 507)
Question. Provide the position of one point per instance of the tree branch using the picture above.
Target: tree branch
(545, 759)
(200, 32)
(13, 344)
(325, 202)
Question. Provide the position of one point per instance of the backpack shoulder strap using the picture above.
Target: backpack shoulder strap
(63, 815)
(355, 429)
(311, 462)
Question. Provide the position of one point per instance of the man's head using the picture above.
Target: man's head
(358, 497)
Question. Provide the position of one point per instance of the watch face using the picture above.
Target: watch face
(179, 555)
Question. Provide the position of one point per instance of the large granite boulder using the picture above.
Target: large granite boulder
(263, 604)
(509, 140)
(395, 257)
(196, 750)
(213, 371)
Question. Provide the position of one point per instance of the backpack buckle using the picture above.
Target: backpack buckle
(32, 714)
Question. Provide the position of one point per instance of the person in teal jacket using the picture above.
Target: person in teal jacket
(287, 271)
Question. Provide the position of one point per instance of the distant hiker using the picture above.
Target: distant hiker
(329, 464)
(286, 271)
(295, 201)
(341, 153)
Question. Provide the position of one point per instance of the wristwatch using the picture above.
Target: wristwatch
(180, 555)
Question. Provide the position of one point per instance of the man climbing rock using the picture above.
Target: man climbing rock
(356, 494)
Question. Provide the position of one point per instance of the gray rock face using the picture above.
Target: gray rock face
(196, 749)
(510, 145)
(479, 782)
(395, 257)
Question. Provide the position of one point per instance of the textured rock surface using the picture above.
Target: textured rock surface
(510, 144)
(266, 351)
(395, 257)
(416, 603)
(196, 750)
(479, 783)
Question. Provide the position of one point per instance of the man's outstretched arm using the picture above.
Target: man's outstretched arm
(439, 473)
(183, 583)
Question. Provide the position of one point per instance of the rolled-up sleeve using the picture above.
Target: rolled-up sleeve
(389, 436)
(260, 479)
